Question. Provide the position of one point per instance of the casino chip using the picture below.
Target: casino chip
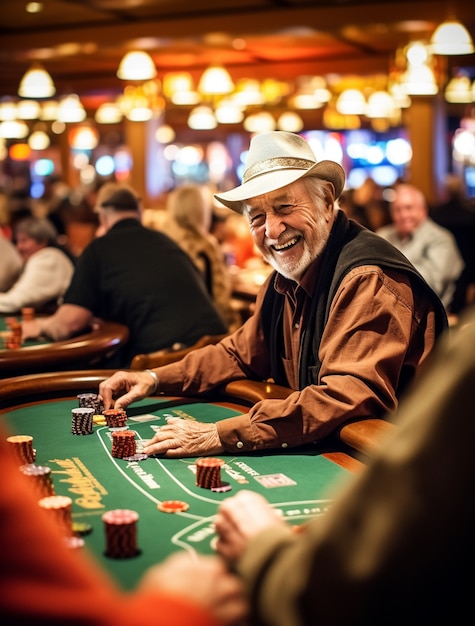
(81, 528)
(138, 456)
(223, 488)
(173, 506)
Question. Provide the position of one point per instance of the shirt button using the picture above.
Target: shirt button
(239, 444)
(284, 445)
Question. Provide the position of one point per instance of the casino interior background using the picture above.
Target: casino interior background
(291, 65)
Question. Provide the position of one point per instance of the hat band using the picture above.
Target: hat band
(277, 163)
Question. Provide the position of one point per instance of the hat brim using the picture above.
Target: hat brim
(276, 179)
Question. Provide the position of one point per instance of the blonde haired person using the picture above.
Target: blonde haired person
(190, 212)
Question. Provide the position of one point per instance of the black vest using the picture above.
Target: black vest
(349, 246)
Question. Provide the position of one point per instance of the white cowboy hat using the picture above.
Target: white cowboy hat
(276, 159)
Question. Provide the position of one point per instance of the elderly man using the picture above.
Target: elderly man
(431, 248)
(344, 321)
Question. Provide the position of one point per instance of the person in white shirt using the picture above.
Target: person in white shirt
(431, 248)
(47, 270)
(10, 265)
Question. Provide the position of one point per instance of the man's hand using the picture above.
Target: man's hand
(184, 437)
(125, 388)
(241, 518)
(204, 580)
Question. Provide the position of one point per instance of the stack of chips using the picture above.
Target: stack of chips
(13, 336)
(120, 526)
(208, 473)
(123, 444)
(82, 421)
(115, 418)
(91, 401)
(23, 448)
(40, 478)
(60, 510)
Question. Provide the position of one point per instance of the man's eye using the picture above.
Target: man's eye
(284, 208)
(257, 220)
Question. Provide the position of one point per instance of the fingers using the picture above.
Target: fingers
(125, 387)
(181, 437)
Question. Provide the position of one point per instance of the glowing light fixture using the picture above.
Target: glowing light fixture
(451, 37)
(215, 81)
(351, 102)
(459, 90)
(36, 83)
(137, 65)
(38, 140)
(70, 110)
(202, 118)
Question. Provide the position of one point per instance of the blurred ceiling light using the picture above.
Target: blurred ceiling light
(108, 113)
(13, 129)
(290, 121)
(136, 65)
(8, 111)
(39, 140)
(215, 81)
(176, 81)
(259, 122)
(165, 134)
(49, 110)
(84, 138)
(28, 110)
(186, 98)
(70, 110)
(36, 83)
(305, 101)
(380, 105)
(351, 102)
(202, 118)
(451, 37)
(419, 80)
(459, 90)
(248, 92)
(228, 112)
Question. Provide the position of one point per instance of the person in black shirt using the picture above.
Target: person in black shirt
(134, 276)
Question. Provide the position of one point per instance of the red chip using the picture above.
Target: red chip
(173, 506)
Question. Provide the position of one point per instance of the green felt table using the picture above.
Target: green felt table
(297, 482)
(88, 349)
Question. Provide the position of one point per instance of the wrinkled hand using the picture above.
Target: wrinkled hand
(203, 579)
(125, 388)
(184, 437)
(241, 518)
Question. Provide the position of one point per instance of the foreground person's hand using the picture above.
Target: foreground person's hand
(204, 580)
(241, 518)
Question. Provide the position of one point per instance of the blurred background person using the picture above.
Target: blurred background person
(189, 210)
(10, 263)
(137, 277)
(457, 214)
(46, 271)
(431, 248)
(366, 205)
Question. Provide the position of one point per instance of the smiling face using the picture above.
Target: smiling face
(408, 210)
(290, 226)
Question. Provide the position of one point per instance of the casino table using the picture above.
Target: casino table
(298, 482)
(86, 350)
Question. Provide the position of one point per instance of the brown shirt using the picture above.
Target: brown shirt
(377, 325)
